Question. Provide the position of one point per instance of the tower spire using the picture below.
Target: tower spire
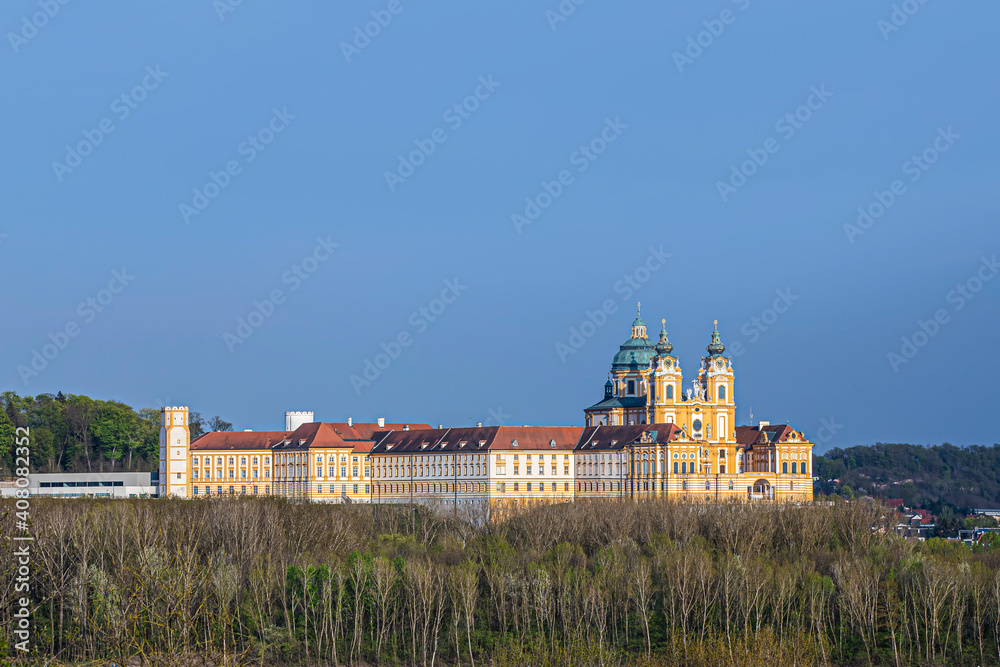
(716, 348)
(663, 346)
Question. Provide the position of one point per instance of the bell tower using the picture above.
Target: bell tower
(175, 439)
(667, 381)
(717, 379)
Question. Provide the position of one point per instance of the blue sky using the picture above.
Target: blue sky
(716, 153)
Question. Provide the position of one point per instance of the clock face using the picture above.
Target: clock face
(720, 364)
(697, 424)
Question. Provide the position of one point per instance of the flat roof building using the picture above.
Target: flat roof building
(90, 485)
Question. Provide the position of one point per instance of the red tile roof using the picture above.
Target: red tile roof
(365, 430)
(750, 435)
(224, 440)
(313, 435)
(618, 437)
(432, 441)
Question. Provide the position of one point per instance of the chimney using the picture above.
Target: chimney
(440, 426)
(479, 424)
(248, 430)
(381, 422)
(761, 424)
(406, 427)
(350, 422)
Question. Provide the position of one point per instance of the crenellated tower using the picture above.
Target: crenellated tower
(175, 440)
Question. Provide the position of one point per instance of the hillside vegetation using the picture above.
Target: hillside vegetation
(941, 478)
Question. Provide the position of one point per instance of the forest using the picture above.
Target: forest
(945, 479)
(74, 433)
(270, 582)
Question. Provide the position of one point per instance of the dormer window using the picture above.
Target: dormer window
(552, 443)
(631, 387)
(513, 443)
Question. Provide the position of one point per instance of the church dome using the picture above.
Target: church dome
(633, 353)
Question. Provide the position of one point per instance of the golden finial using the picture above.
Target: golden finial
(716, 324)
(639, 307)
(664, 321)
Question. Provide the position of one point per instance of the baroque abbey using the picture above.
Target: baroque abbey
(650, 437)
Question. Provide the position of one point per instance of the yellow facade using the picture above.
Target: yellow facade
(710, 458)
(651, 437)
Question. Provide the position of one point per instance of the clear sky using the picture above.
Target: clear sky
(509, 168)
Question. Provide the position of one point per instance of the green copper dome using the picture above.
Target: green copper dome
(633, 353)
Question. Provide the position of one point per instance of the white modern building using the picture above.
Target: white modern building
(91, 485)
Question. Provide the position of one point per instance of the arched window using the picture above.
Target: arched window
(784, 467)
(670, 392)
(722, 392)
(730, 485)
(794, 467)
(675, 467)
(684, 468)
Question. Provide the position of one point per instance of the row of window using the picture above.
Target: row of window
(630, 391)
(56, 485)
(232, 474)
(343, 488)
(232, 460)
(232, 490)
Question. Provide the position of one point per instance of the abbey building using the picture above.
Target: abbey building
(650, 437)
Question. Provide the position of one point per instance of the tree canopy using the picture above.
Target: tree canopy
(75, 433)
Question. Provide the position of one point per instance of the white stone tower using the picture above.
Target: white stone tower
(175, 439)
